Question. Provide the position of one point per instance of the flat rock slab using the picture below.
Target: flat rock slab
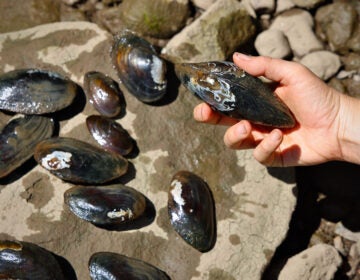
(253, 207)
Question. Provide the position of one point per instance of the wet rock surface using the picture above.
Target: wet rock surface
(264, 216)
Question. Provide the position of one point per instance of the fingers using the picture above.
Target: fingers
(266, 153)
(203, 113)
(239, 136)
(277, 70)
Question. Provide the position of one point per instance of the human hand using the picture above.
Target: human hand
(315, 105)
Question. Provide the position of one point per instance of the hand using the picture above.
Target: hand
(315, 105)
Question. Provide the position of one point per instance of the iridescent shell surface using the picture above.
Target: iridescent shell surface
(19, 138)
(192, 211)
(232, 92)
(79, 162)
(35, 91)
(106, 265)
(139, 67)
(110, 134)
(104, 94)
(23, 260)
(106, 205)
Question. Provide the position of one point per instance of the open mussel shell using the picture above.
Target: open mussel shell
(192, 211)
(35, 91)
(106, 205)
(104, 94)
(19, 138)
(23, 260)
(110, 135)
(79, 162)
(139, 67)
(232, 92)
(107, 265)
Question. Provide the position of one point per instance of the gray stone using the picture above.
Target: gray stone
(214, 35)
(284, 5)
(335, 23)
(297, 25)
(203, 4)
(346, 233)
(263, 6)
(318, 262)
(32, 13)
(307, 4)
(324, 64)
(273, 43)
(253, 207)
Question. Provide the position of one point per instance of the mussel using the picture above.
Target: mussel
(139, 67)
(104, 94)
(35, 91)
(79, 162)
(192, 211)
(19, 138)
(233, 92)
(110, 134)
(28, 261)
(106, 205)
(107, 265)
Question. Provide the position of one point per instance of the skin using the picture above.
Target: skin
(326, 119)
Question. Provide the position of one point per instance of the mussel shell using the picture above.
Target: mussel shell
(107, 265)
(23, 260)
(106, 205)
(192, 211)
(104, 94)
(233, 92)
(79, 162)
(19, 138)
(110, 134)
(35, 91)
(139, 67)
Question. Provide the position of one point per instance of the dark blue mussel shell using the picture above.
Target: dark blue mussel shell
(139, 67)
(234, 93)
(28, 261)
(106, 265)
(192, 211)
(35, 91)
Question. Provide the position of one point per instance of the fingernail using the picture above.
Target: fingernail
(242, 56)
(241, 129)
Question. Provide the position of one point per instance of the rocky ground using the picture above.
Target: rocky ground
(272, 223)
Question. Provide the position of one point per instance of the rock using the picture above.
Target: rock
(263, 6)
(203, 4)
(249, 201)
(284, 5)
(324, 64)
(70, 2)
(297, 26)
(307, 4)
(346, 233)
(318, 262)
(351, 62)
(273, 43)
(335, 24)
(156, 18)
(32, 13)
(214, 35)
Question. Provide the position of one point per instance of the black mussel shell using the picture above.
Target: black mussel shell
(110, 135)
(19, 138)
(35, 91)
(107, 265)
(233, 92)
(139, 67)
(192, 211)
(28, 261)
(104, 94)
(106, 205)
(79, 162)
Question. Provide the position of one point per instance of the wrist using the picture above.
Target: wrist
(349, 129)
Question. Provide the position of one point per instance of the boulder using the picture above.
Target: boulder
(324, 64)
(214, 35)
(318, 262)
